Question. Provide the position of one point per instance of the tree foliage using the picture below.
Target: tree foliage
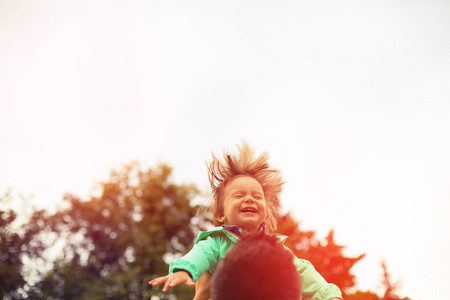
(10, 248)
(110, 245)
(390, 287)
(329, 260)
(17, 245)
(326, 256)
(390, 292)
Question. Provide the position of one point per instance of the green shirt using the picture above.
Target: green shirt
(211, 246)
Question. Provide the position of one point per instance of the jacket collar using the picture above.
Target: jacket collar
(239, 231)
(231, 235)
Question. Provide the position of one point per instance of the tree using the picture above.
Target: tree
(391, 288)
(360, 295)
(16, 245)
(113, 244)
(329, 260)
(110, 245)
(326, 256)
(390, 292)
(10, 248)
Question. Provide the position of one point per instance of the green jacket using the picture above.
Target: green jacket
(211, 246)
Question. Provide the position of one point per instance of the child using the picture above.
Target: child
(245, 194)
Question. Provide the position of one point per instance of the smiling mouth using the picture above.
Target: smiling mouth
(249, 210)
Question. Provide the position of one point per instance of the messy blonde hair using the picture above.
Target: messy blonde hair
(221, 172)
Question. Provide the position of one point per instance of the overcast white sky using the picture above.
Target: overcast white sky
(350, 98)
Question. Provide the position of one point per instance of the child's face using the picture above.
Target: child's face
(244, 203)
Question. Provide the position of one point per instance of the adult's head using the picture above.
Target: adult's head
(257, 267)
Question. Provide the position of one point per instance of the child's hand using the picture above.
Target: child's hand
(171, 280)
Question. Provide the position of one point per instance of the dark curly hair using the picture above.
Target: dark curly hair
(257, 267)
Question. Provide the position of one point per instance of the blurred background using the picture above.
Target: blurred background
(350, 98)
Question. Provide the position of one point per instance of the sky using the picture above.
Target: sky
(350, 98)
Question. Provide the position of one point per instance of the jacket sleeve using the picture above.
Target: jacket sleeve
(314, 286)
(202, 257)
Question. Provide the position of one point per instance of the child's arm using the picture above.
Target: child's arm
(314, 286)
(171, 280)
(187, 269)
